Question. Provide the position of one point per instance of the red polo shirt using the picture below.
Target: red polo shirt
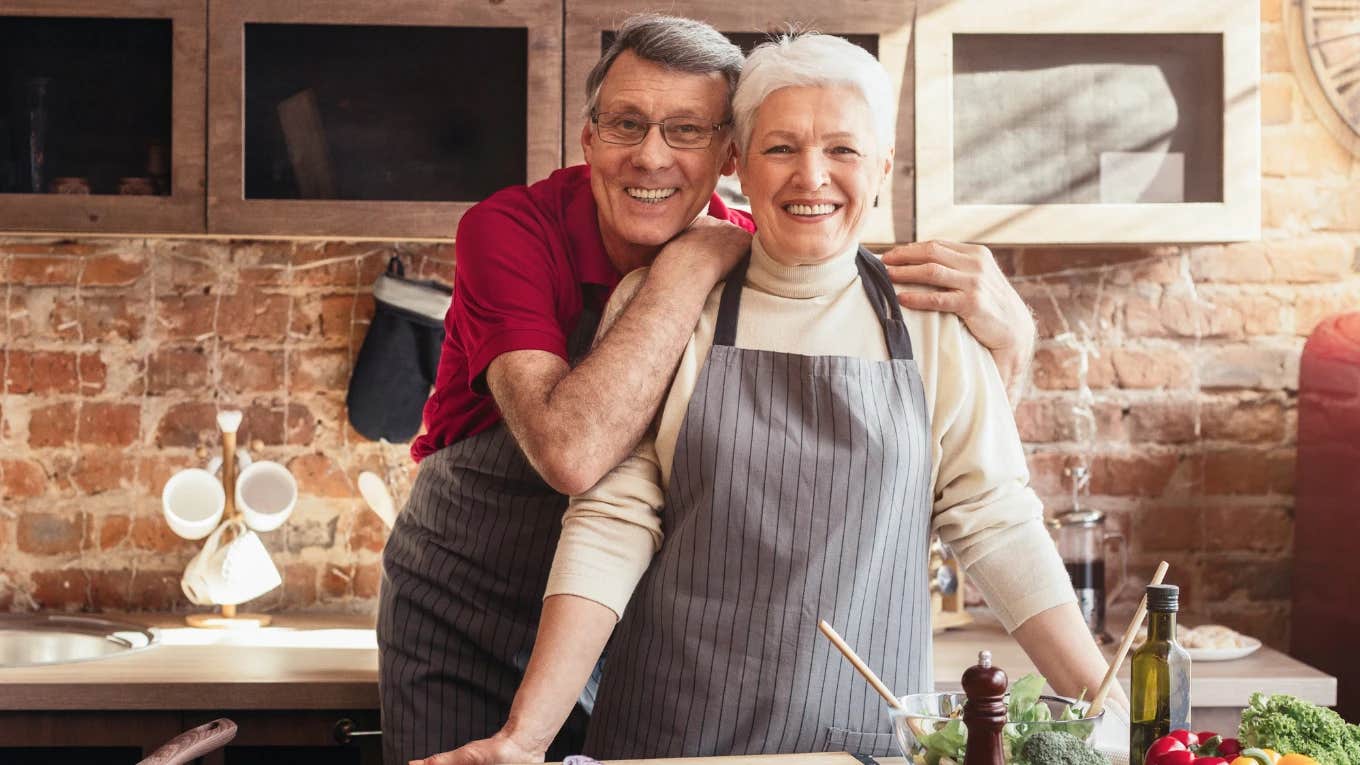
(521, 257)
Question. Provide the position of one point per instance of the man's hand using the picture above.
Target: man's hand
(709, 248)
(976, 290)
(499, 748)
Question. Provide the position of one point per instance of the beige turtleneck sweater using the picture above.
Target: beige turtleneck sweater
(983, 507)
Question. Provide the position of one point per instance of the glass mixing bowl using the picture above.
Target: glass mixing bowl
(929, 728)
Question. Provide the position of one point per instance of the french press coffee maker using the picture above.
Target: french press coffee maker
(1082, 540)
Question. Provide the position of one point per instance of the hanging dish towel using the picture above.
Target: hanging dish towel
(399, 357)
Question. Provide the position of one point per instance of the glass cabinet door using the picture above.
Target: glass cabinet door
(101, 116)
(1103, 125)
(352, 119)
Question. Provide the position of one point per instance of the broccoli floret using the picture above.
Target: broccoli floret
(1050, 747)
(1288, 724)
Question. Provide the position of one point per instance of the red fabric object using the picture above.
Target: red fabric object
(1326, 583)
(521, 258)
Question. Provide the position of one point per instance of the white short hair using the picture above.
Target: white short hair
(813, 60)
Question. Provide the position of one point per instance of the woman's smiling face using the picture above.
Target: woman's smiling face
(810, 169)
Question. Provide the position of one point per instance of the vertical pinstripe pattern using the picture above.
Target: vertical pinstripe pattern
(800, 490)
(464, 572)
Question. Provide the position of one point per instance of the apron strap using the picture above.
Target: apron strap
(726, 331)
(582, 335)
(877, 285)
(883, 296)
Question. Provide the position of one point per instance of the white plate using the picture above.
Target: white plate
(1225, 654)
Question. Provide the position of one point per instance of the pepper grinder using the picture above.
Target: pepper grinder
(984, 714)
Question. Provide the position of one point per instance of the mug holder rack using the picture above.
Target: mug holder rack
(226, 616)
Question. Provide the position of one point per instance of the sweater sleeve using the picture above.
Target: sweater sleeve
(983, 506)
(611, 532)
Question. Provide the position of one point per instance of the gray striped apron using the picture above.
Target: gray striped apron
(800, 491)
(464, 571)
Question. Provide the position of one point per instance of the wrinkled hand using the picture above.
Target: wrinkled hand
(711, 246)
(500, 748)
(975, 289)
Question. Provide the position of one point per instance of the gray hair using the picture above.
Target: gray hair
(684, 45)
(814, 60)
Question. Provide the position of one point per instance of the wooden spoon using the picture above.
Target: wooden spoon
(860, 666)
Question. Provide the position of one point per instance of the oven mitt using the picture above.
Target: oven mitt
(399, 357)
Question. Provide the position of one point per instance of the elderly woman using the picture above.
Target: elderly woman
(813, 437)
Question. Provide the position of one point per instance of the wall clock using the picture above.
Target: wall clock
(1324, 37)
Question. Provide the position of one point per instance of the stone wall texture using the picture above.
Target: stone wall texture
(1170, 373)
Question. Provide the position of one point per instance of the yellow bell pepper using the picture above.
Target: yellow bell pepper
(1254, 756)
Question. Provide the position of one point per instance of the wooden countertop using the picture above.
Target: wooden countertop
(330, 661)
(1212, 683)
(312, 661)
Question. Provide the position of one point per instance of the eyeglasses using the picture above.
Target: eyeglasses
(628, 129)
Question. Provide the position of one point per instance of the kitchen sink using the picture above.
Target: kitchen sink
(31, 639)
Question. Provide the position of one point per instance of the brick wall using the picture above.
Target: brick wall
(117, 354)
(1170, 373)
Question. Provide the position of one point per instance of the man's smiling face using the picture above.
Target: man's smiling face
(648, 193)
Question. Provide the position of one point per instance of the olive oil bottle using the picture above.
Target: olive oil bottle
(1160, 700)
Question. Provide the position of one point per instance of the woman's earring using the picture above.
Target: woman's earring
(875, 200)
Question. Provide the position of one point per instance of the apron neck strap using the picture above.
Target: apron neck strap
(582, 335)
(873, 277)
(726, 331)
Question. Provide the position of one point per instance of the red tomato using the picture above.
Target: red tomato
(1209, 761)
(1161, 747)
(1178, 757)
(1230, 748)
(1185, 737)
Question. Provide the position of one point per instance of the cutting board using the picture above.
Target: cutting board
(816, 758)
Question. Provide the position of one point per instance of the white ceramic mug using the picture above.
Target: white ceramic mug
(265, 494)
(192, 501)
(226, 574)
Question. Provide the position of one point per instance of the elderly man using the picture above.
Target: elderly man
(522, 416)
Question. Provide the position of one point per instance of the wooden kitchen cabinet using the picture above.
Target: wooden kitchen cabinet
(295, 737)
(107, 737)
(1099, 121)
(104, 97)
(881, 26)
(359, 120)
(389, 120)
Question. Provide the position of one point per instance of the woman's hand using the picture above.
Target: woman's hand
(571, 637)
(972, 287)
(488, 751)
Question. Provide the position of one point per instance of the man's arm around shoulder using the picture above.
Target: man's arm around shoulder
(574, 425)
